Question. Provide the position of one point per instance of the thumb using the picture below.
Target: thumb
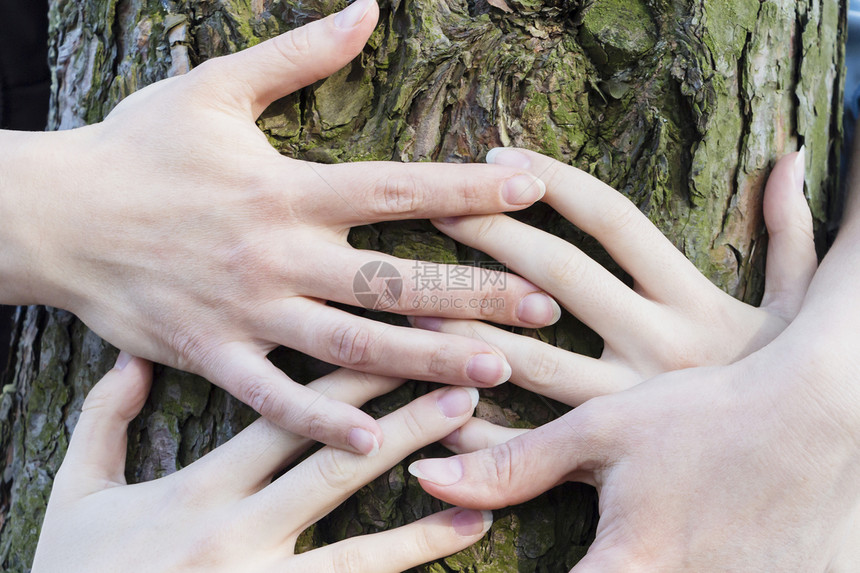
(569, 448)
(277, 67)
(97, 450)
(791, 257)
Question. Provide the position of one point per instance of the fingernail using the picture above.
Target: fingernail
(457, 402)
(539, 308)
(523, 190)
(363, 442)
(509, 157)
(439, 471)
(447, 220)
(470, 522)
(488, 369)
(800, 169)
(426, 322)
(350, 16)
(122, 360)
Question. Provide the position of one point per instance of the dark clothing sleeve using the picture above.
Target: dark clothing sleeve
(24, 75)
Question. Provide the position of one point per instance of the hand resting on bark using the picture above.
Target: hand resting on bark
(224, 512)
(175, 231)
(753, 466)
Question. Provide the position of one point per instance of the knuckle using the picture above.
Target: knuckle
(485, 304)
(398, 194)
(259, 394)
(413, 428)
(542, 368)
(502, 467)
(487, 227)
(565, 267)
(616, 215)
(294, 47)
(316, 425)
(337, 469)
(556, 175)
(352, 346)
(439, 363)
(348, 559)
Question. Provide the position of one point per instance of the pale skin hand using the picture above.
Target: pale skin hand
(174, 230)
(673, 318)
(223, 513)
(749, 467)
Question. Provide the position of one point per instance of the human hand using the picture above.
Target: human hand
(672, 318)
(750, 467)
(221, 513)
(178, 233)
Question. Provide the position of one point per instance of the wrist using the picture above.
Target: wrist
(34, 177)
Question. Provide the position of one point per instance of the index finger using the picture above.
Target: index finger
(569, 448)
(351, 194)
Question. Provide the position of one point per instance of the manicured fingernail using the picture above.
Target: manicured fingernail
(470, 522)
(523, 190)
(439, 471)
(509, 157)
(123, 359)
(350, 16)
(426, 322)
(363, 442)
(457, 402)
(800, 169)
(488, 369)
(539, 308)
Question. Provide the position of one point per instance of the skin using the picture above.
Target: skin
(752, 466)
(224, 512)
(175, 231)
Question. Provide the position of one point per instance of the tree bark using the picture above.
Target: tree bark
(682, 105)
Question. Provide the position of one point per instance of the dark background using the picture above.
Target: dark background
(25, 83)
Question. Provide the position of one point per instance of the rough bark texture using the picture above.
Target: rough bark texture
(683, 105)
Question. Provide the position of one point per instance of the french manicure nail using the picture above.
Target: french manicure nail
(122, 360)
(488, 369)
(539, 308)
(509, 157)
(469, 522)
(457, 402)
(800, 169)
(523, 190)
(350, 16)
(439, 471)
(363, 442)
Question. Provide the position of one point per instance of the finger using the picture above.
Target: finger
(97, 451)
(477, 434)
(569, 448)
(369, 192)
(248, 461)
(542, 368)
(324, 480)
(427, 539)
(581, 284)
(248, 375)
(382, 282)
(263, 73)
(608, 216)
(344, 339)
(791, 257)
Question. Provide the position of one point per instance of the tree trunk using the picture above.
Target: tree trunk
(682, 105)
